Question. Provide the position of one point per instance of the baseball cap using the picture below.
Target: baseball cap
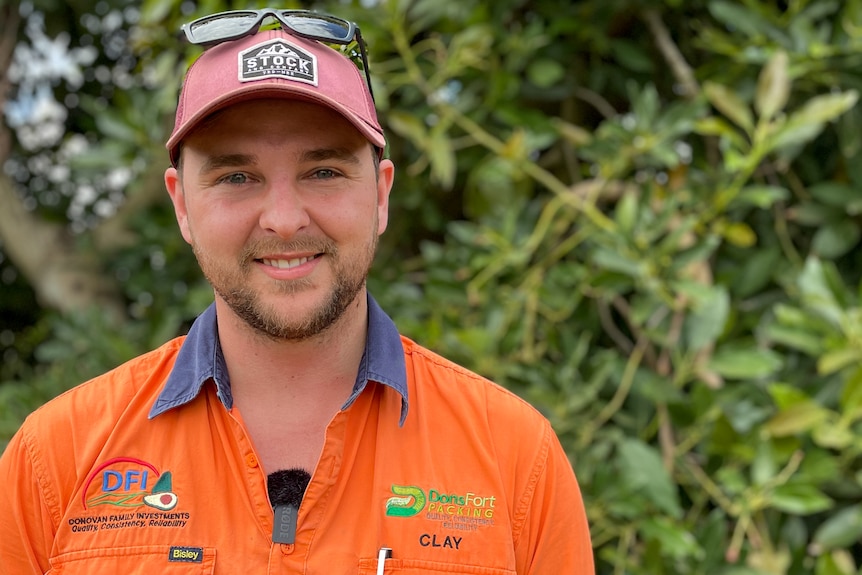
(273, 64)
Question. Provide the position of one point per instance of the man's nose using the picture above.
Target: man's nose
(284, 212)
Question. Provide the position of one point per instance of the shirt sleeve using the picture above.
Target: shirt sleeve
(26, 528)
(555, 536)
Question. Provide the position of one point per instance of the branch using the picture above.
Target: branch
(678, 66)
(63, 278)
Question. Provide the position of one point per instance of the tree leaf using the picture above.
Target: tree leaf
(631, 56)
(807, 122)
(836, 239)
(739, 234)
(746, 20)
(799, 499)
(786, 395)
(798, 418)
(544, 73)
(795, 338)
(617, 262)
(838, 562)
(745, 363)
(824, 108)
(626, 212)
(155, 11)
(851, 395)
(642, 470)
(817, 293)
(756, 272)
(408, 126)
(442, 159)
(728, 103)
(707, 322)
(842, 529)
(675, 541)
(838, 359)
(716, 126)
(835, 194)
(114, 127)
(761, 196)
(773, 87)
(833, 436)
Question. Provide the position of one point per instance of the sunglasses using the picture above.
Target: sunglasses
(235, 24)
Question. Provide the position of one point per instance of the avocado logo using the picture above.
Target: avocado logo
(407, 502)
(162, 498)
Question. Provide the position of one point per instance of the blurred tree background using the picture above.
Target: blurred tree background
(643, 216)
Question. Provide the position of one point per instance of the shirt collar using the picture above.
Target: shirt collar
(200, 359)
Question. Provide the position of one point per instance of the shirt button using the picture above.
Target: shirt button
(251, 460)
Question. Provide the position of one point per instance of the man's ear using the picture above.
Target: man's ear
(174, 185)
(385, 179)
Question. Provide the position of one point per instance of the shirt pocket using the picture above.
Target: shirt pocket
(148, 559)
(420, 567)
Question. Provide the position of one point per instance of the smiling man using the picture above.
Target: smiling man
(293, 430)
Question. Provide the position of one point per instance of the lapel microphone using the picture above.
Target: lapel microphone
(286, 488)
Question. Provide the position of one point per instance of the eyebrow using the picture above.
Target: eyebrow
(317, 155)
(324, 154)
(227, 161)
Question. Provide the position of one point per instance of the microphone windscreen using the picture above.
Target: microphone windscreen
(287, 486)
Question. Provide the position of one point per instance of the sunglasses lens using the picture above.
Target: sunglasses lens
(226, 26)
(219, 27)
(320, 26)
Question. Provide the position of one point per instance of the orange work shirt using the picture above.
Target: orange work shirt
(149, 469)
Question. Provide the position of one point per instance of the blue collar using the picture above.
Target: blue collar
(200, 360)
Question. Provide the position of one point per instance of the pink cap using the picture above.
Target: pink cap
(273, 64)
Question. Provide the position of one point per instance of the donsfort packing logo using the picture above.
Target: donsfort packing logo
(129, 482)
(408, 501)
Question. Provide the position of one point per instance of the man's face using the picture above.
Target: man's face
(282, 203)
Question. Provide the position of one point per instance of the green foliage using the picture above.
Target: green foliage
(641, 216)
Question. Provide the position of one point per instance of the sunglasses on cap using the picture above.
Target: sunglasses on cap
(235, 24)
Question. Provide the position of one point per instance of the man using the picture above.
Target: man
(292, 430)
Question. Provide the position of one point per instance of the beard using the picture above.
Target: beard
(232, 285)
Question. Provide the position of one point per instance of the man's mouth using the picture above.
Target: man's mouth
(287, 264)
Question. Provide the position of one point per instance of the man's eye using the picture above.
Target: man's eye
(324, 174)
(234, 179)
